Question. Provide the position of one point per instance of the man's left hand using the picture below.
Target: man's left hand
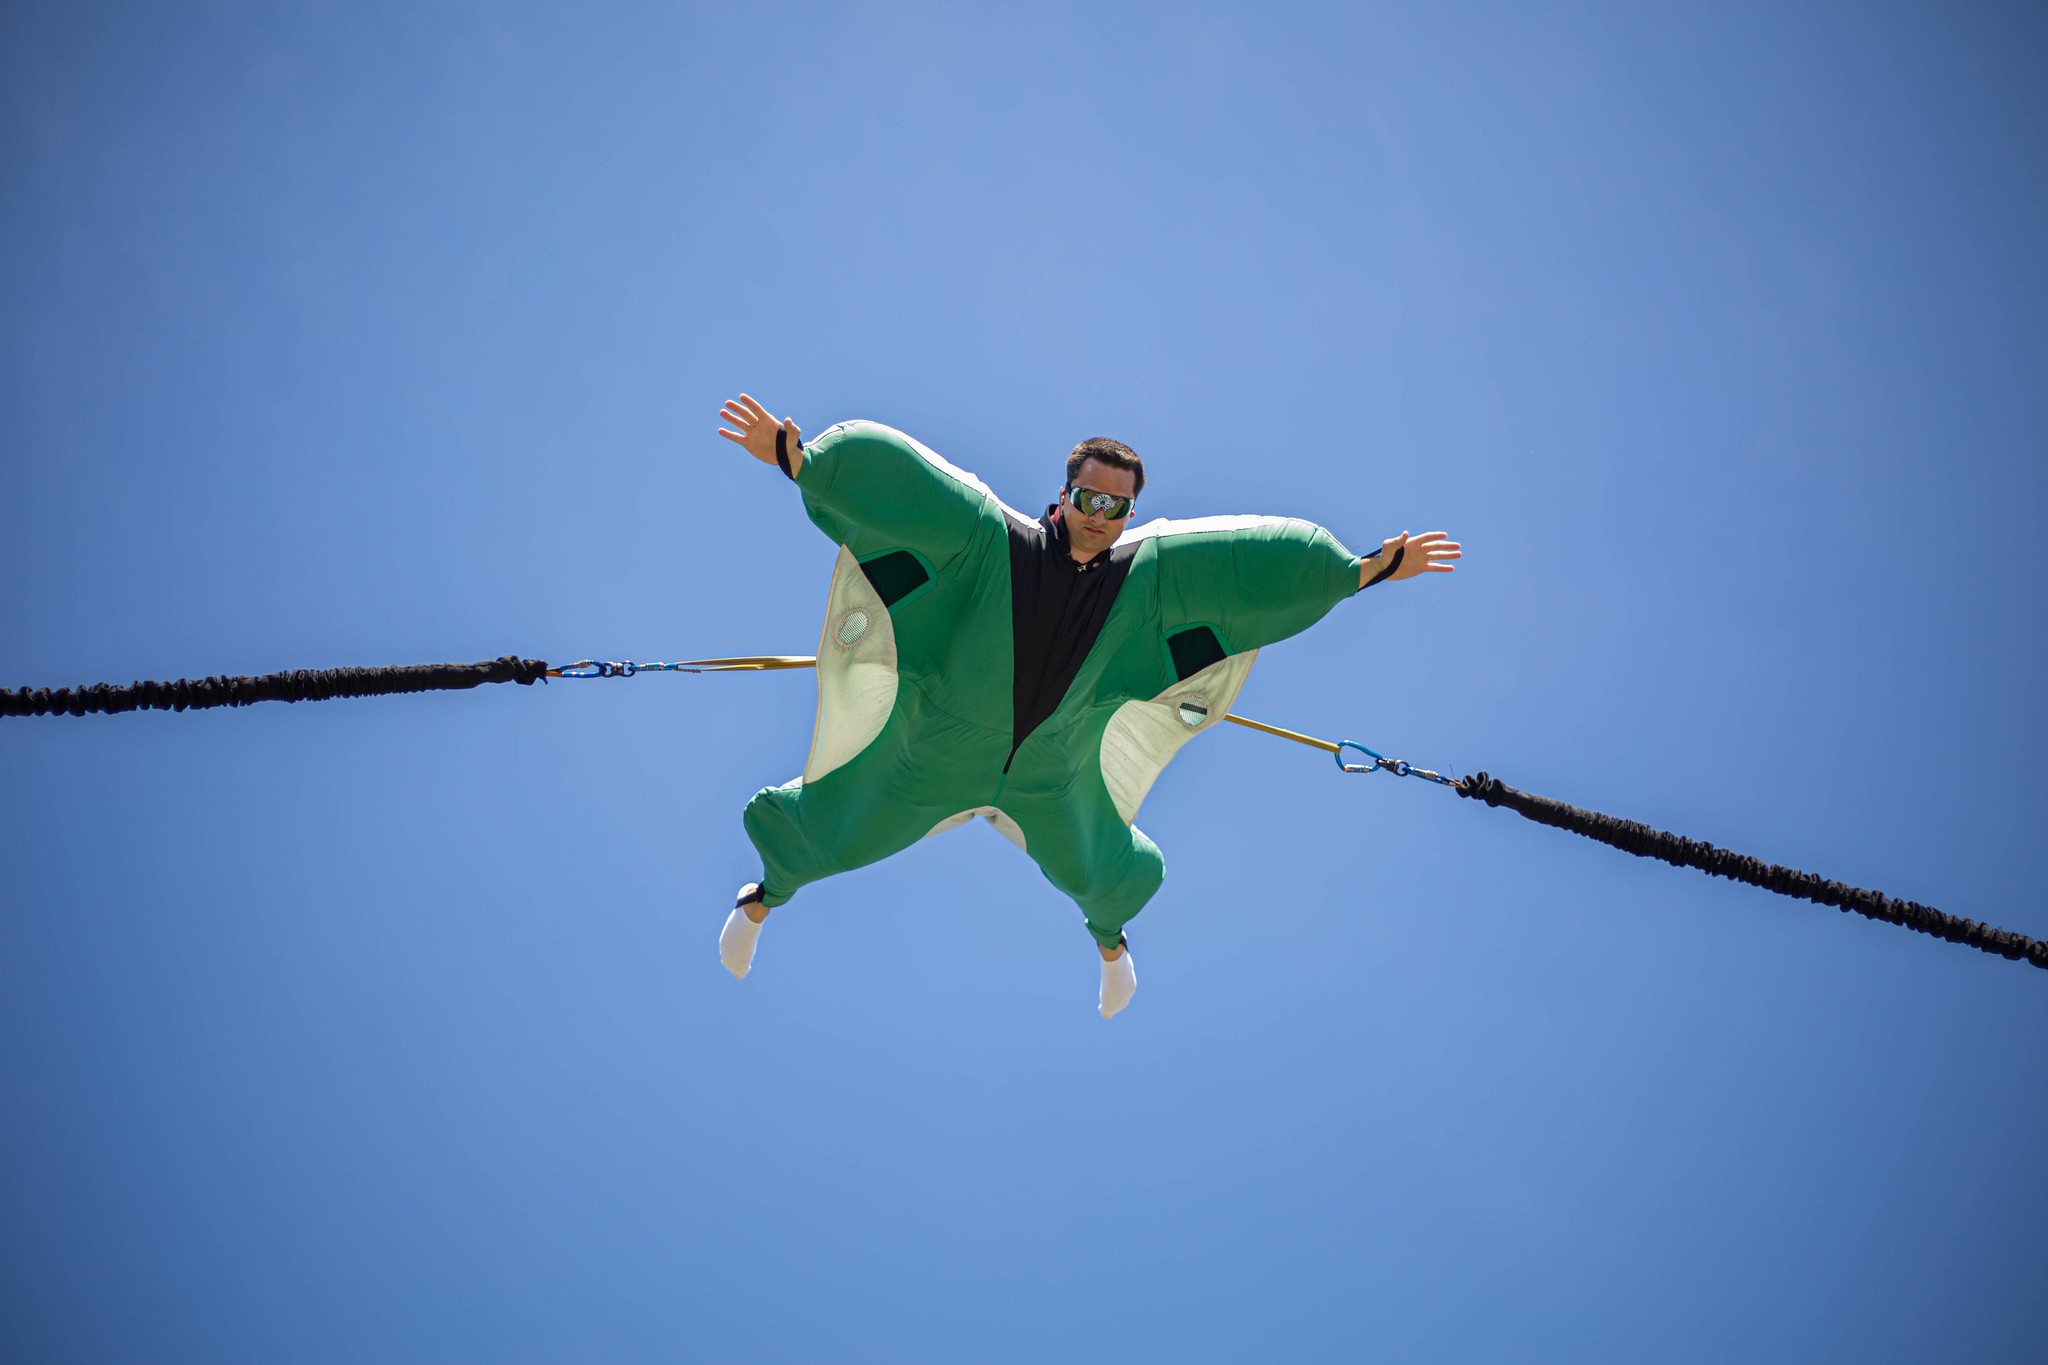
(1430, 552)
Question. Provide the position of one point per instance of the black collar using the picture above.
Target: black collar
(1056, 541)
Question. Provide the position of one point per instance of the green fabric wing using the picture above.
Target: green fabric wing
(1253, 581)
(873, 489)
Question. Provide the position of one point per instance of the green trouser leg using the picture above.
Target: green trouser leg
(807, 832)
(813, 830)
(1108, 868)
(878, 803)
(892, 794)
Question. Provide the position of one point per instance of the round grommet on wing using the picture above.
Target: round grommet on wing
(852, 627)
(1194, 711)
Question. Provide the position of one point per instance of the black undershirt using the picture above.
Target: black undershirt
(1057, 609)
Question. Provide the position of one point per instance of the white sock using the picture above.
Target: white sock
(1119, 983)
(736, 941)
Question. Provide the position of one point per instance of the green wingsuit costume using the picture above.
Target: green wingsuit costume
(916, 703)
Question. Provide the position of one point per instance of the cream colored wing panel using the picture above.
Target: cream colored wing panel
(1143, 736)
(856, 670)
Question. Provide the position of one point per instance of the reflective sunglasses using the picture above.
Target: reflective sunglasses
(1108, 506)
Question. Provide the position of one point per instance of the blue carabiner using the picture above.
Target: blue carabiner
(1378, 760)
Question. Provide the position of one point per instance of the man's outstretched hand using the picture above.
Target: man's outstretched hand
(1430, 552)
(757, 431)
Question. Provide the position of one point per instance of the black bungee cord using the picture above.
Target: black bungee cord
(324, 684)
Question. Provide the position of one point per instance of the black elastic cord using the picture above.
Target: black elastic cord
(305, 684)
(782, 451)
(1392, 564)
(760, 892)
(1645, 842)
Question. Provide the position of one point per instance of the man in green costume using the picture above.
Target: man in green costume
(1038, 674)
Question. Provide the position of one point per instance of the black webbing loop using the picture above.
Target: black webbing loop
(1392, 565)
(782, 452)
(305, 684)
(1645, 842)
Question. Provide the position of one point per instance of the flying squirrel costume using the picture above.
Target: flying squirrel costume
(968, 666)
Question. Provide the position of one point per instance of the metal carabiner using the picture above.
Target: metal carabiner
(1378, 760)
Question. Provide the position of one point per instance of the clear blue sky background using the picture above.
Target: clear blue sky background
(394, 1029)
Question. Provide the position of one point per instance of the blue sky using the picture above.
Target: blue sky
(394, 1029)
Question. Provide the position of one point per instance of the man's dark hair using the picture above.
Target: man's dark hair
(1115, 454)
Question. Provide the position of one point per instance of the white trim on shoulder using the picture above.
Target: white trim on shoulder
(947, 467)
(1162, 526)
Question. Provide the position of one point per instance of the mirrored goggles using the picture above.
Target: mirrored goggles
(1108, 506)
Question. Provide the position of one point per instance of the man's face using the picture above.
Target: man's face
(1090, 535)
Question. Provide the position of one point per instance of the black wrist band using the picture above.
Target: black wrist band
(1392, 564)
(782, 451)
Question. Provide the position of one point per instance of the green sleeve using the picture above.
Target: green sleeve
(1251, 580)
(871, 489)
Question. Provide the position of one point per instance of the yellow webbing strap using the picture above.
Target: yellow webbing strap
(762, 662)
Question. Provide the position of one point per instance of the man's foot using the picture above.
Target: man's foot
(1119, 982)
(742, 931)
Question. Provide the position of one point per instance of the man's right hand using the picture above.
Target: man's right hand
(757, 432)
